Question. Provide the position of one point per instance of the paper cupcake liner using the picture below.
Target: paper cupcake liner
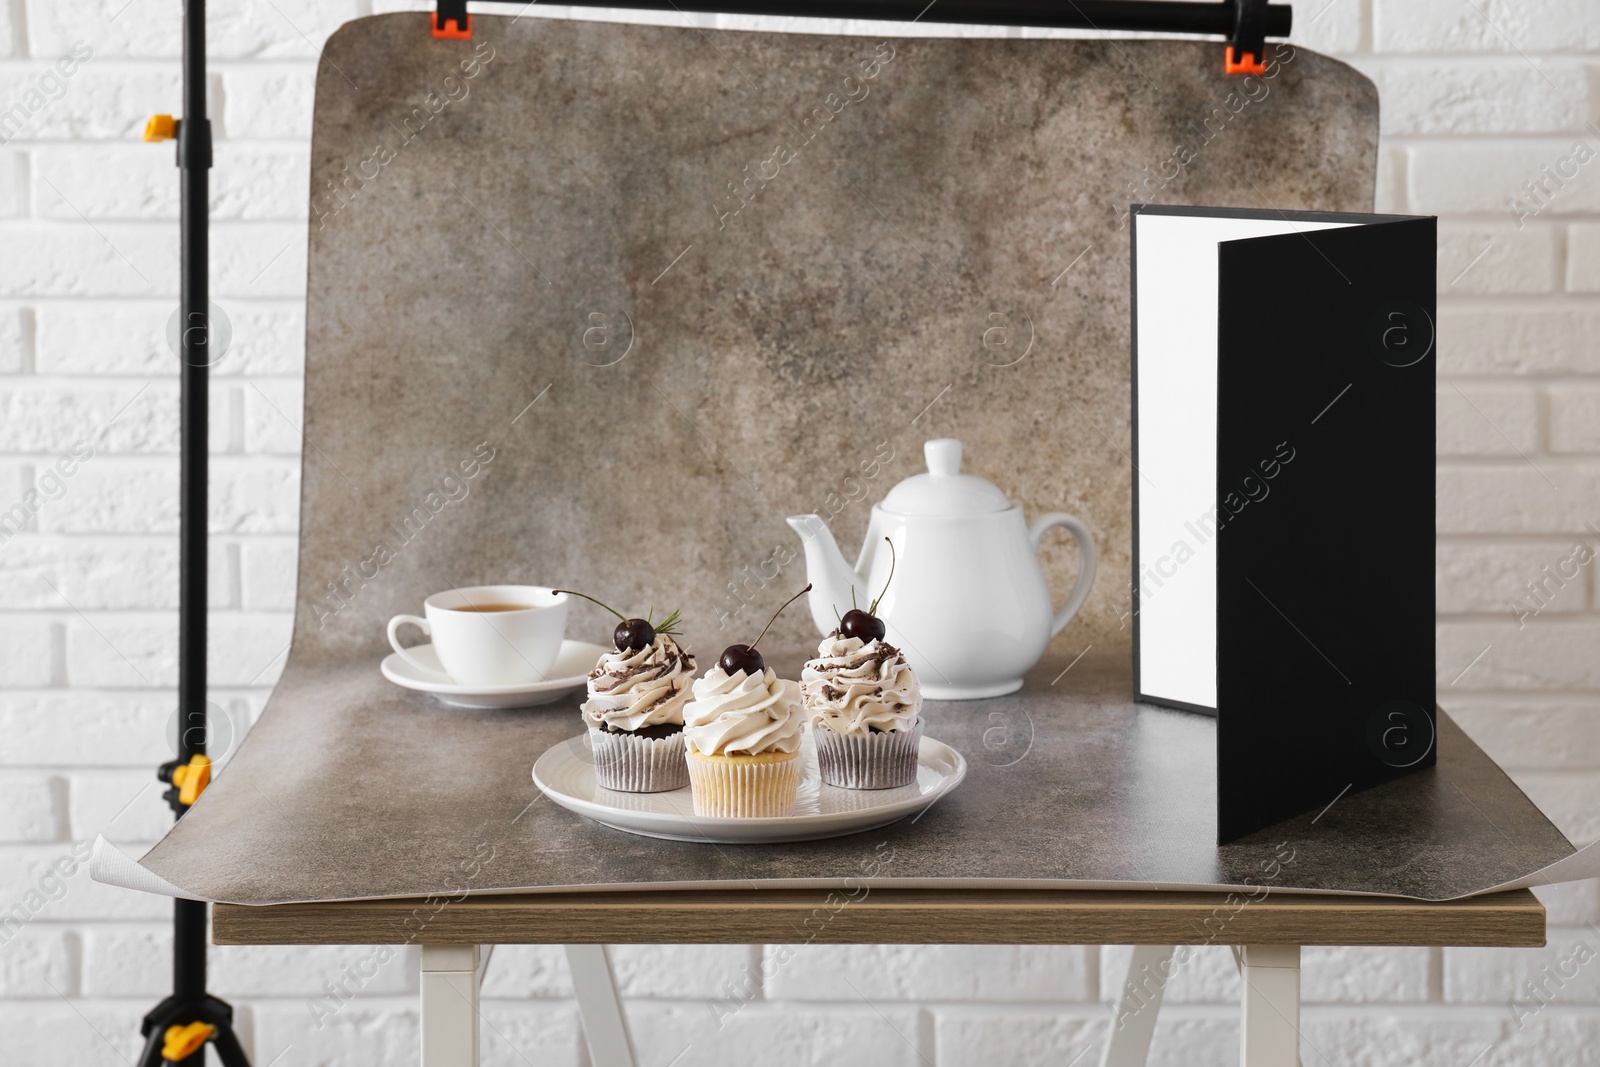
(632, 764)
(869, 760)
(738, 790)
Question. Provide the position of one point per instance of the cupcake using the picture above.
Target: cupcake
(634, 710)
(864, 704)
(741, 736)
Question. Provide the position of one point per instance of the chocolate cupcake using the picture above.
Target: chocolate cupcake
(635, 716)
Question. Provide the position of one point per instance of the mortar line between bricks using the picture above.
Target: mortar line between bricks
(1470, 140)
(57, 224)
(1500, 616)
(1533, 381)
(282, 540)
(1092, 1011)
(279, 144)
(1086, 1010)
(141, 302)
(1553, 539)
(1507, 462)
(1538, 539)
(1549, 219)
(1511, 61)
(1547, 301)
(125, 378)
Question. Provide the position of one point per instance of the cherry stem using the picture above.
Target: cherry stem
(893, 559)
(775, 615)
(602, 603)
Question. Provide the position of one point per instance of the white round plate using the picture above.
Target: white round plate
(565, 773)
(570, 671)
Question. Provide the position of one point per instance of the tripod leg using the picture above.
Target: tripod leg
(151, 1056)
(228, 1048)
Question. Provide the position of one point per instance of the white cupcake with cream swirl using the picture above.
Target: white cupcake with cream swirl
(741, 741)
(742, 714)
(741, 735)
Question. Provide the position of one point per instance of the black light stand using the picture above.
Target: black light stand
(178, 1028)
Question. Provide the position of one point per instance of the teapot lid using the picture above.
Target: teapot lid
(944, 490)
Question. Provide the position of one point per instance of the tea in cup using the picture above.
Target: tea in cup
(490, 635)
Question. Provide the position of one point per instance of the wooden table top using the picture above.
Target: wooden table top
(893, 916)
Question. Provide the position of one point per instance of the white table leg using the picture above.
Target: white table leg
(450, 975)
(1270, 1028)
(600, 1006)
(1129, 1042)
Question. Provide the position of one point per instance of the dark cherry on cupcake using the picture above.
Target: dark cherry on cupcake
(736, 658)
(862, 625)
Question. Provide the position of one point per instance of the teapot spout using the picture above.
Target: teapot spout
(833, 583)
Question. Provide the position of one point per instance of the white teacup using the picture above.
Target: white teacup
(490, 635)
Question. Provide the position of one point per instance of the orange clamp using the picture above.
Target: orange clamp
(191, 781)
(181, 1042)
(160, 128)
(451, 28)
(1248, 65)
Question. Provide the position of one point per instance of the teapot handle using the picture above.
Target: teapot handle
(1088, 561)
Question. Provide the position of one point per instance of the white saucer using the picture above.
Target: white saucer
(570, 671)
(565, 773)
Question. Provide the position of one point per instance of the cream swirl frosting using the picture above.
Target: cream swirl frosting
(851, 687)
(743, 714)
(631, 690)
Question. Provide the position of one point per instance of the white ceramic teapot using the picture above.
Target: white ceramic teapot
(968, 604)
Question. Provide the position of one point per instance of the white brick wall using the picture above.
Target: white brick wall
(1478, 97)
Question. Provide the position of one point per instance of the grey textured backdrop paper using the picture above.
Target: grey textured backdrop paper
(549, 342)
(945, 256)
